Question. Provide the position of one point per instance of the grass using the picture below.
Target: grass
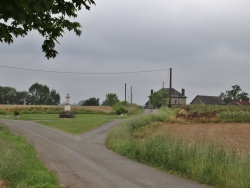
(78, 125)
(199, 157)
(237, 117)
(20, 165)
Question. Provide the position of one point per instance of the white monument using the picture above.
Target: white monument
(67, 104)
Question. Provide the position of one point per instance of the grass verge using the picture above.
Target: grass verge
(20, 165)
(201, 161)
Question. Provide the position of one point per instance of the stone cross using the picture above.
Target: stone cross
(67, 104)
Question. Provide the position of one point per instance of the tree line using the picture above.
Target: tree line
(37, 94)
(111, 99)
(235, 94)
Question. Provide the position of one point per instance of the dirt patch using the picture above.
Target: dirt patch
(4, 184)
(231, 135)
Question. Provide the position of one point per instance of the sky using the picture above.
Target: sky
(205, 42)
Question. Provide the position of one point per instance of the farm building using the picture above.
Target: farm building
(202, 99)
(177, 98)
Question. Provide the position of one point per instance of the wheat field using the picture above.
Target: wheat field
(229, 135)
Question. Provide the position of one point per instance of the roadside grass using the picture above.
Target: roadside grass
(19, 164)
(78, 125)
(202, 160)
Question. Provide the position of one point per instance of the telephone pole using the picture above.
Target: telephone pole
(131, 95)
(125, 93)
(170, 88)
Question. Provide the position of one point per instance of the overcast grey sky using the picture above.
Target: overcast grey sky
(205, 42)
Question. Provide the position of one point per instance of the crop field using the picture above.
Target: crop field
(231, 136)
(36, 109)
(209, 150)
(214, 113)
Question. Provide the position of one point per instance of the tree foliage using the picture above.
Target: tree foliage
(111, 99)
(92, 102)
(159, 98)
(37, 95)
(235, 94)
(7, 95)
(49, 17)
(41, 94)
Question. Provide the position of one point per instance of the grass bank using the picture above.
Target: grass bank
(202, 160)
(20, 165)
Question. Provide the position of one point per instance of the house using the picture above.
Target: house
(177, 98)
(239, 103)
(201, 99)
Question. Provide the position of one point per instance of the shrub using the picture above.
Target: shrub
(16, 113)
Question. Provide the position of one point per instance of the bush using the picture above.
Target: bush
(16, 113)
(126, 108)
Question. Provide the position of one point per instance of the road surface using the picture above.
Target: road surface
(83, 160)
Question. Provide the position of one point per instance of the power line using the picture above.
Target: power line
(89, 73)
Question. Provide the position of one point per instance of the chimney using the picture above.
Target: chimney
(183, 92)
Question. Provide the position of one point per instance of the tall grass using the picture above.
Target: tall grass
(20, 165)
(237, 117)
(201, 161)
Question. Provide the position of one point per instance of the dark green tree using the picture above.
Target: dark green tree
(49, 17)
(111, 99)
(7, 95)
(39, 94)
(54, 98)
(92, 102)
(235, 94)
(159, 98)
(22, 97)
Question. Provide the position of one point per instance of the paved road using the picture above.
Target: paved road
(83, 160)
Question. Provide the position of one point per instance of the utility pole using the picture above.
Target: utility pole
(125, 93)
(170, 88)
(131, 95)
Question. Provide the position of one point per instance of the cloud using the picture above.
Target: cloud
(206, 43)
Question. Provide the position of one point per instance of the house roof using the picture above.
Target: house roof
(208, 99)
(174, 93)
(241, 103)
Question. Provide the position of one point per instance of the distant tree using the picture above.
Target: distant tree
(111, 99)
(39, 94)
(54, 98)
(7, 95)
(92, 102)
(236, 94)
(159, 98)
(22, 97)
(49, 17)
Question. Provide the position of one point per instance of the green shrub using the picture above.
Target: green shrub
(126, 108)
(16, 113)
